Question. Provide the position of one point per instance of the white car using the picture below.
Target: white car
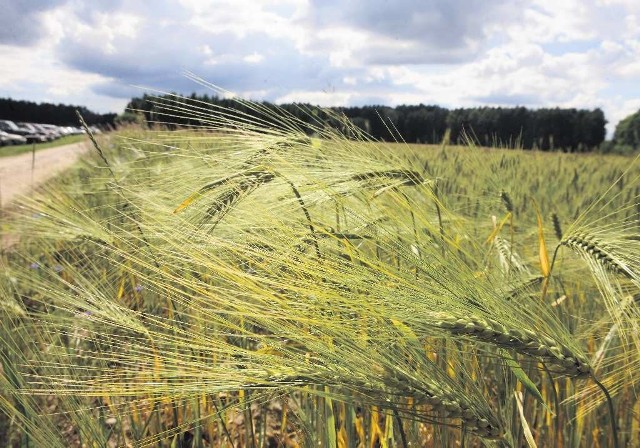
(11, 139)
(10, 127)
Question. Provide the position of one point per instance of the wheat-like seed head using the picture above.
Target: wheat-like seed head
(599, 250)
(524, 341)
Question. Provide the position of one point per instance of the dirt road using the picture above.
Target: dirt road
(16, 175)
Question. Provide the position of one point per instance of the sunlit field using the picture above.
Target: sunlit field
(255, 281)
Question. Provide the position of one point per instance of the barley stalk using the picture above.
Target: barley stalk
(441, 399)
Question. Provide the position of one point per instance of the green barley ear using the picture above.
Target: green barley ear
(557, 227)
(611, 254)
(509, 259)
(506, 201)
(564, 359)
(614, 252)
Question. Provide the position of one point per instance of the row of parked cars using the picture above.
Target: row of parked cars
(12, 133)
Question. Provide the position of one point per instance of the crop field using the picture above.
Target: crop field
(254, 281)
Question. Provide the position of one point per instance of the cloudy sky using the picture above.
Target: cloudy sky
(455, 53)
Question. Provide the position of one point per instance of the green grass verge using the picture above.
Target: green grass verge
(19, 149)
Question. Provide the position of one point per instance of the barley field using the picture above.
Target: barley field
(254, 281)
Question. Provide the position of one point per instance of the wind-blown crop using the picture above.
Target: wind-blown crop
(179, 286)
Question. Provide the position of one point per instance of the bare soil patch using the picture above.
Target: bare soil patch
(19, 174)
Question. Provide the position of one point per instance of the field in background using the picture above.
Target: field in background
(252, 288)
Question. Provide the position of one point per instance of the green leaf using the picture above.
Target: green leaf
(523, 377)
(332, 440)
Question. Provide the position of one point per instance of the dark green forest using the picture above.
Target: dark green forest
(547, 129)
(58, 114)
(575, 130)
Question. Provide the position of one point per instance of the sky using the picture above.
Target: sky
(453, 53)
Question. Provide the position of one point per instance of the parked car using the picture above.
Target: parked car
(11, 139)
(54, 130)
(50, 130)
(42, 135)
(70, 130)
(12, 128)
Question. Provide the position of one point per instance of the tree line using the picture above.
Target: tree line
(578, 130)
(545, 129)
(47, 113)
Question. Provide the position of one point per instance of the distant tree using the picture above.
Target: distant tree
(130, 118)
(591, 128)
(626, 137)
(58, 114)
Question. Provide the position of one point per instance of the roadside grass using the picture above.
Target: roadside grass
(14, 150)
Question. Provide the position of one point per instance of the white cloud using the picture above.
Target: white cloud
(36, 74)
(320, 98)
(253, 58)
(244, 18)
(569, 53)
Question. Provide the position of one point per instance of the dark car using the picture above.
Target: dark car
(12, 128)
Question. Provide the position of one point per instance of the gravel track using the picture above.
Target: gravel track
(17, 177)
